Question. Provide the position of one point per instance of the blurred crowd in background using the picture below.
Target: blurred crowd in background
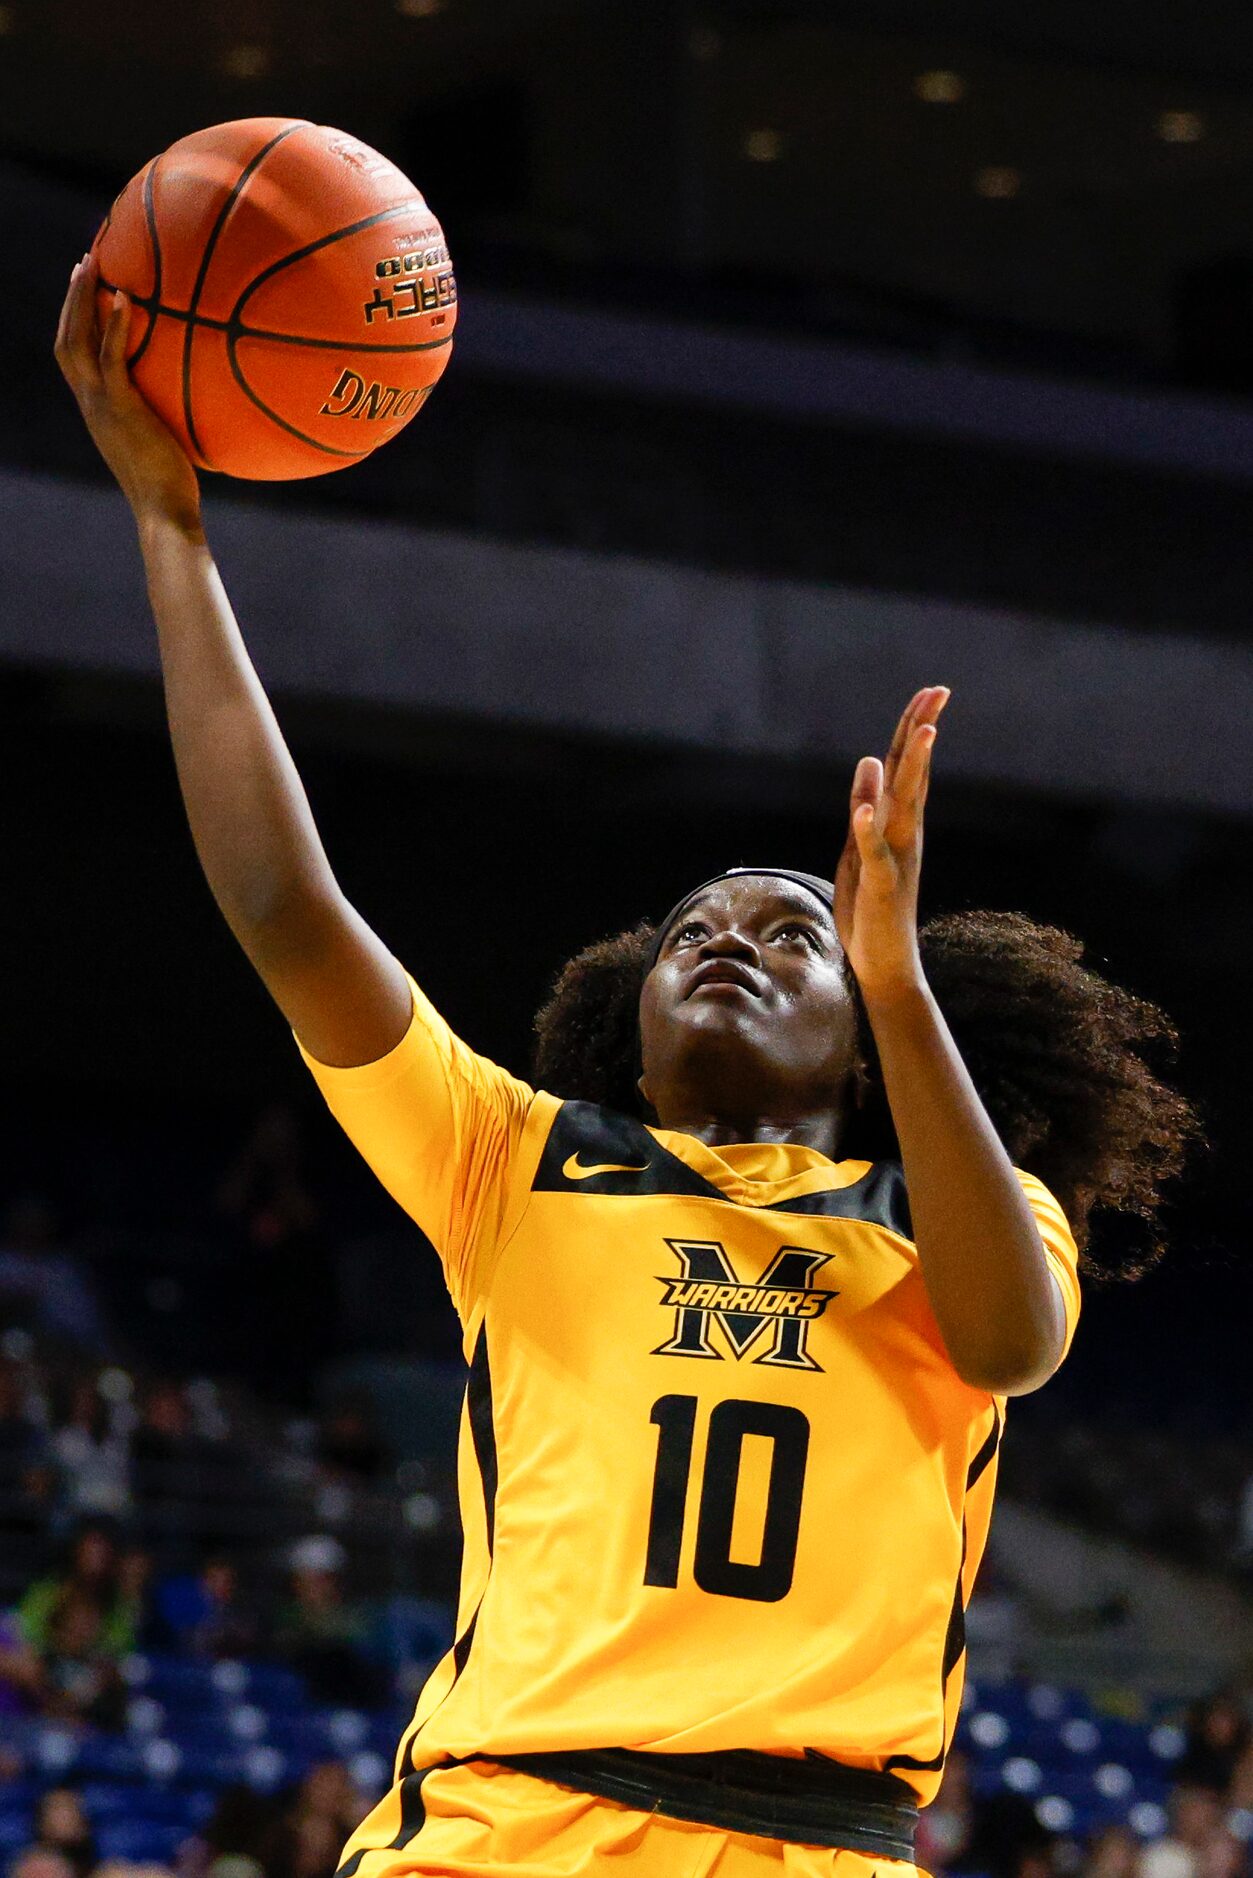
(205, 1587)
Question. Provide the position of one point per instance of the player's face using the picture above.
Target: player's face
(749, 1004)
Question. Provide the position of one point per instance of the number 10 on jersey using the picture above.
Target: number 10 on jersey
(713, 1568)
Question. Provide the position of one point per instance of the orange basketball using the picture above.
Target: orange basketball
(293, 298)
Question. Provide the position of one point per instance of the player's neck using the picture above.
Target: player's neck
(821, 1131)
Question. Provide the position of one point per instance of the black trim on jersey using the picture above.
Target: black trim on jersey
(982, 1459)
(814, 1801)
(597, 1136)
(482, 1428)
(879, 1198)
(412, 1820)
(955, 1635)
(593, 1136)
(483, 1437)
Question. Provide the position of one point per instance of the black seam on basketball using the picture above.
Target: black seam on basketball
(332, 345)
(243, 331)
(239, 329)
(150, 215)
(323, 241)
(237, 189)
(236, 329)
(246, 388)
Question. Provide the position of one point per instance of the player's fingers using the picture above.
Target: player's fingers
(867, 786)
(77, 338)
(902, 820)
(63, 320)
(873, 850)
(113, 345)
(924, 708)
(866, 789)
(901, 732)
(928, 712)
(913, 762)
(930, 716)
(70, 317)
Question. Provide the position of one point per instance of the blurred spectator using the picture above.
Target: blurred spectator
(999, 1836)
(43, 1288)
(349, 1445)
(25, 1474)
(267, 1198)
(80, 1680)
(231, 1844)
(1114, 1853)
(94, 1570)
(40, 1861)
(19, 1668)
(62, 1825)
(20, 1441)
(1218, 1735)
(1195, 1817)
(130, 1868)
(202, 1612)
(309, 1836)
(1240, 1789)
(323, 1635)
(134, 1583)
(1224, 1856)
(994, 1618)
(165, 1437)
(90, 1456)
(264, 1189)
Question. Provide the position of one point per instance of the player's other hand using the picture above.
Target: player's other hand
(154, 471)
(876, 883)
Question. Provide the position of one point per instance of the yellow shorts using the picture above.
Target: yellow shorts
(483, 1819)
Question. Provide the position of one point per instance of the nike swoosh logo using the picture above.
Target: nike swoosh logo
(573, 1168)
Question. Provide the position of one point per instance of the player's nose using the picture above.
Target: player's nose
(729, 942)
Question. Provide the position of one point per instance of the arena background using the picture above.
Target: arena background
(806, 354)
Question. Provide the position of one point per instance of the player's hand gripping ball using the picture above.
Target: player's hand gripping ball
(293, 300)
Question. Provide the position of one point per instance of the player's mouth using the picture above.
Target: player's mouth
(722, 976)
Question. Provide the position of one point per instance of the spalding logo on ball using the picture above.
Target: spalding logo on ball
(293, 300)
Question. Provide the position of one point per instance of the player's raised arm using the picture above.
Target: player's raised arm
(339, 987)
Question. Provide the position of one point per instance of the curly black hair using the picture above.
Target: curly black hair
(1063, 1060)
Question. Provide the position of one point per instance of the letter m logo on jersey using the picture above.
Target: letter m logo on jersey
(776, 1312)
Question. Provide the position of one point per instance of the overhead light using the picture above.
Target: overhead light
(1181, 127)
(245, 61)
(998, 182)
(418, 9)
(940, 87)
(763, 146)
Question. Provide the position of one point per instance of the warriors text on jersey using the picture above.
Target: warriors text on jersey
(721, 1485)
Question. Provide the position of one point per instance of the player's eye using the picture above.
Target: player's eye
(807, 933)
(690, 929)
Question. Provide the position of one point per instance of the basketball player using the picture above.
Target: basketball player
(746, 1279)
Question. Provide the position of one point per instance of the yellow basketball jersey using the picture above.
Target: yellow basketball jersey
(721, 1485)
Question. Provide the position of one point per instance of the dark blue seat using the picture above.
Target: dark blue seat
(16, 1827)
(143, 1840)
(110, 1757)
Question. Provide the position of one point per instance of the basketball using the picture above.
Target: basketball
(293, 299)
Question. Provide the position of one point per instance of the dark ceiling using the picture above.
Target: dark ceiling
(1090, 162)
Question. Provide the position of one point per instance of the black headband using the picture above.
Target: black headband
(823, 890)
